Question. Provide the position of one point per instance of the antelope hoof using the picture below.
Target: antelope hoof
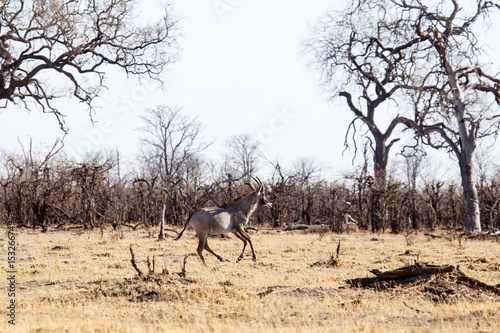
(239, 258)
(254, 258)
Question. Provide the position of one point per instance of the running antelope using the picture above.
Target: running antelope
(231, 217)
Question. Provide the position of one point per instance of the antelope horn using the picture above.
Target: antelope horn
(251, 186)
(259, 182)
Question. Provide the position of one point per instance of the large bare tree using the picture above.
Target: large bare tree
(44, 43)
(462, 106)
(430, 50)
(356, 69)
(467, 105)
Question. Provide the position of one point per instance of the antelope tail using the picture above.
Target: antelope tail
(185, 225)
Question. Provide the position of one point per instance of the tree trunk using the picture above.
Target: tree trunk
(467, 147)
(162, 225)
(380, 179)
(472, 215)
(466, 161)
(380, 159)
(378, 189)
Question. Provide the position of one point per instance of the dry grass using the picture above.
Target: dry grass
(84, 282)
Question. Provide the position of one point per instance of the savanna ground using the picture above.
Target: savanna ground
(71, 281)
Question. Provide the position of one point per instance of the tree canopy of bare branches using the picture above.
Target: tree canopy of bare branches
(75, 41)
(243, 154)
(171, 143)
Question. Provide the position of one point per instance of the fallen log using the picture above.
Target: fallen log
(433, 236)
(404, 275)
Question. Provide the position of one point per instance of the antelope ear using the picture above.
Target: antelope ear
(251, 186)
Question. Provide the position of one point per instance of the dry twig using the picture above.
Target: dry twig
(183, 271)
(134, 264)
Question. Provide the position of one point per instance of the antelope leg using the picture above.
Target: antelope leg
(211, 251)
(247, 236)
(236, 233)
(201, 245)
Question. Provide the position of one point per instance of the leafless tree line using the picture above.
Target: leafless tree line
(52, 191)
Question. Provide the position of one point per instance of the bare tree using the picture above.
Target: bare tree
(347, 48)
(355, 67)
(243, 154)
(305, 169)
(462, 119)
(74, 41)
(462, 107)
(171, 143)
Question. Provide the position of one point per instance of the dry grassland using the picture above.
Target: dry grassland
(84, 282)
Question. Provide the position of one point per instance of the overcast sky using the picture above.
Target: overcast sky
(241, 70)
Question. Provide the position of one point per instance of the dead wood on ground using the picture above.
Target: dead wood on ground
(440, 280)
(493, 235)
(152, 275)
(485, 235)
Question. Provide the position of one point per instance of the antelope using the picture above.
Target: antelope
(231, 217)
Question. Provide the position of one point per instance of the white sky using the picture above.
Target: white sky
(240, 71)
